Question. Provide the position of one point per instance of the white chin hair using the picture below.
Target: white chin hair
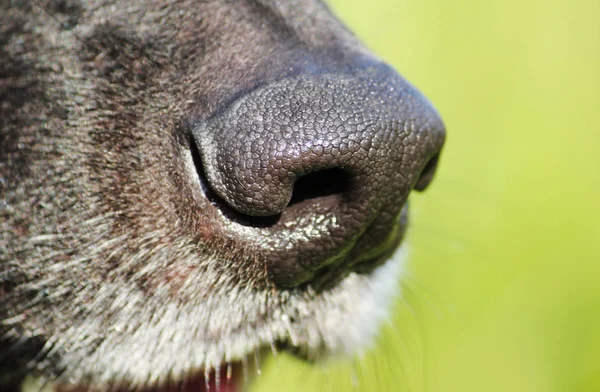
(337, 323)
(359, 306)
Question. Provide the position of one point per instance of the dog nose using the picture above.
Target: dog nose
(331, 158)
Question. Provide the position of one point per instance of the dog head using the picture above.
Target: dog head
(184, 183)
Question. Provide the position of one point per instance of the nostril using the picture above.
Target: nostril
(226, 210)
(427, 173)
(321, 186)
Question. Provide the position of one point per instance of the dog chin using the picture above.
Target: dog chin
(335, 324)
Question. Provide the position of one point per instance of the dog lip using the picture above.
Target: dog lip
(230, 377)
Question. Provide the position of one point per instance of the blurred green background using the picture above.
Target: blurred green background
(503, 292)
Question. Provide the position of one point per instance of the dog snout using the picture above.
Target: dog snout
(330, 158)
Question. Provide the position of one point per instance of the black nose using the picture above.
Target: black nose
(331, 157)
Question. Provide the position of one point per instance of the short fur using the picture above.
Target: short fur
(112, 270)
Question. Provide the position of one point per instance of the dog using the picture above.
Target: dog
(188, 184)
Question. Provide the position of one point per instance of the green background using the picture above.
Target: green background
(503, 287)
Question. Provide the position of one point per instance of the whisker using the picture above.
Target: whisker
(217, 377)
(354, 375)
(207, 378)
(435, 303)
(272, 343)
(257, 361)
(245, 368)
(229, 372)
(45, 382)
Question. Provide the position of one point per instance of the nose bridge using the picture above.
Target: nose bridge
(369, 123)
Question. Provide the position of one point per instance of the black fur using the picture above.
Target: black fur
(124, 241)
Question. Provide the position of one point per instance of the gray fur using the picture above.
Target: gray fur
(116, 268)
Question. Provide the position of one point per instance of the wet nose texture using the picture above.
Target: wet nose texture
(331, 157)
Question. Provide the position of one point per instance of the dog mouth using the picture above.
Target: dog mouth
(234, 376)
